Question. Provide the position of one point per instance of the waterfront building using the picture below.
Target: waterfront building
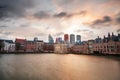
(72, 39)
(110, 45)
(20, 45)
(60, 48)
(30, 46)
(39, 46)
(7, 45)
(83, 49)
(48, 47)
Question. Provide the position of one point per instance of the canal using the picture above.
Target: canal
(58, 67)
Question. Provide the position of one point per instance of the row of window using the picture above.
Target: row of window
(107, 46)
(108, 50)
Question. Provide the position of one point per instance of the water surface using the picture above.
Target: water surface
(58, 67)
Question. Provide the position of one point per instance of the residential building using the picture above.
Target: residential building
(20, 45)
(8, 45)
(30, 46)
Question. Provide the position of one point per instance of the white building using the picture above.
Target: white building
(60, 48)
(9, 46)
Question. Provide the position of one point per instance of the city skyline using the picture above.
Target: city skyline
(39, 18)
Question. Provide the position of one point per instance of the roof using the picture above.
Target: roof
(20, 40)
(9, 41)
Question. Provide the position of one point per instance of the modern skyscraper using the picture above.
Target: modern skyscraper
(50, 39)
(72, 38)
(78, 39)
(66, 38)
(59, 40)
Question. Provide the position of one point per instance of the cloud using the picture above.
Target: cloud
(68, 15)
(118, 20)
(14, 8)
(41, 14)
(7, 33)
(84, 30)
(61, 14)
(3, 26)
(105, 19)
(59, 34)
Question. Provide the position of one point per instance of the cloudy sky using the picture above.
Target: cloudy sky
(38, 18)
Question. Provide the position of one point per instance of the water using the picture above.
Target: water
(58, 67)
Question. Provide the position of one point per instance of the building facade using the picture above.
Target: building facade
(48, 47)
(60, 48)
(20, 45)
(7, 46)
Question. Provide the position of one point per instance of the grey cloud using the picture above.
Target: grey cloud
(42, 14)
(65, 14)
(3, 26)
(105, 19)
(62, 14)
(14, 8)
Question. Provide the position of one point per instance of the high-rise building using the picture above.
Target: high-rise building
(50, 39)
(72, 38)
(66, 38)
(59, 40)
(78, 39)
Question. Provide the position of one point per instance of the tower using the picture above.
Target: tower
(78, 39)
(50, 39)
(72, 38)
(66, 38)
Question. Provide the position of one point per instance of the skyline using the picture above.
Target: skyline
(39, 18)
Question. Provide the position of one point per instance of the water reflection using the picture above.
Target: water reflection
(58, 67)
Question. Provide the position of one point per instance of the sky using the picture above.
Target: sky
(38, 18)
